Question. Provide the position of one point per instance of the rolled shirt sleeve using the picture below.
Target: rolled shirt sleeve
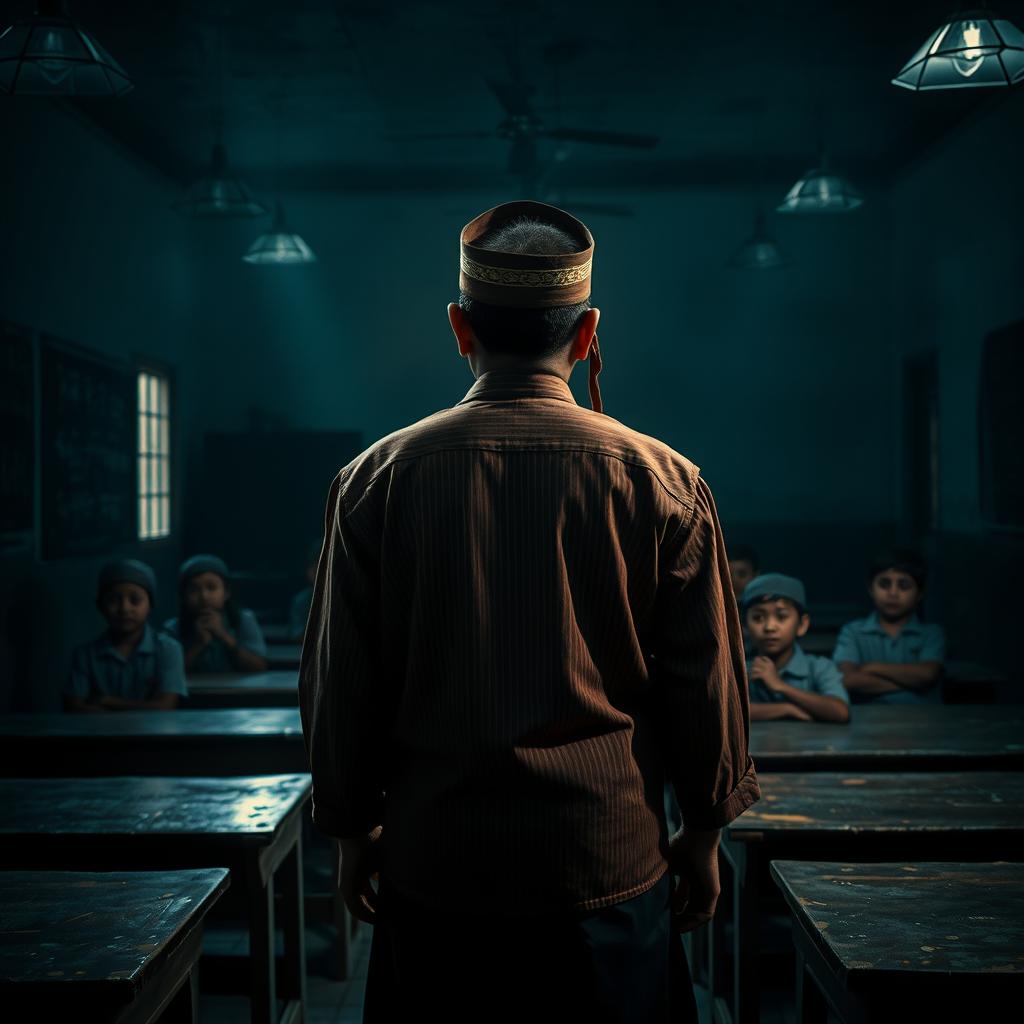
(170, 663)
(341, 695)
(700, 673)
(846, 648)
(250, 636)
(934, 646)
(828, 680)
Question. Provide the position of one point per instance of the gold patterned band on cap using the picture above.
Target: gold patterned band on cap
(525, 277)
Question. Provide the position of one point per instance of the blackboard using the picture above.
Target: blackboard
(88, 451)
(17, 439)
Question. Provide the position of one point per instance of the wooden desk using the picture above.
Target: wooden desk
(881, 942)
(932, 737)
(251, 741)
(252, 826)
(244, 690)
(103, 947)
(822, 816)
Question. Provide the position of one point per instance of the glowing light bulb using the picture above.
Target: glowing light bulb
(968, 62)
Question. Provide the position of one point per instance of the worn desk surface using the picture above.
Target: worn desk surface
(250, 741)
(879, 816)
(244, 689)
(251, 826)
(880, 938)
(99, 943)
(932, 737)
(246, 811)
(835, 804)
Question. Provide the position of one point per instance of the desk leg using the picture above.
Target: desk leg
(343, 923)
(746, 1006)
(294, 924)
(810, 1004)
(262, 961)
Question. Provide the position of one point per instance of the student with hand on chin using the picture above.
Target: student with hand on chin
(784, 681)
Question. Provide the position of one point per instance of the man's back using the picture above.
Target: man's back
(527, 597)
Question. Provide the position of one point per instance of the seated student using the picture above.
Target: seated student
(891, 657)
(298, 612)
(784, 681)
(743, 567)
(217, 635)
(130, 665)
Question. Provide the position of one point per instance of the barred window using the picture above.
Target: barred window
(154, 455)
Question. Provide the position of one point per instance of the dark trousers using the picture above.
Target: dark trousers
(619, 964)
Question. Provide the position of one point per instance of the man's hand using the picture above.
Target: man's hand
(358, 863)
(693, 856)
(797, 712)
(763, 668)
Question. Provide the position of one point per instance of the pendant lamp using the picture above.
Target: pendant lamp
(279, 246)
(219, 194)
(821, 190)
(51, 55)
(973, 48)
(760, 251)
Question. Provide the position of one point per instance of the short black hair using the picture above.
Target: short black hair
(743, 553)
(525, 332)
(901, 559)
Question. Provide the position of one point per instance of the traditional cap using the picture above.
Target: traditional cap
(127, 570)
(771, 585)
(202, 563)
(529, 280)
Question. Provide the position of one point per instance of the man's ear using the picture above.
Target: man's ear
(460, 326)
(803, 625)
(585, 334)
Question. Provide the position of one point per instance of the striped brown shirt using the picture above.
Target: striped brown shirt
(523, 623)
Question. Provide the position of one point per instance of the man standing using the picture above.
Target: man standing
(522, 625)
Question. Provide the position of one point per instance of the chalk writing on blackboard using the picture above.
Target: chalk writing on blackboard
(88, 441)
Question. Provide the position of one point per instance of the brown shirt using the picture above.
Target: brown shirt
(522, 622)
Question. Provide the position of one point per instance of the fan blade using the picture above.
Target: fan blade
(515, 98)
(602, 138)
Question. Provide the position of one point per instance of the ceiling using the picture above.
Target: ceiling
(315, 94)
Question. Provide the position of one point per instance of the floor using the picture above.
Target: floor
(341, 1002)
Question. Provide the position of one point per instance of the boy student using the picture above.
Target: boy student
(130, 665)
(298, 610)
(784, 681)
(891, 657)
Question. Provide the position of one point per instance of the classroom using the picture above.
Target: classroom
(511, 511)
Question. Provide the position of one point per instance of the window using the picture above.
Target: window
(154, 455)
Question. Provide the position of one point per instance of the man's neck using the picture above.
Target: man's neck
(499, 363)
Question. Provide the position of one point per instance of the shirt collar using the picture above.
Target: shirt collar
(873, 625)
(509, 385)
(147, 645)
(798, 665)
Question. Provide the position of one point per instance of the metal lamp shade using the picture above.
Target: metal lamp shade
(219, 194)
(760, 251)
(821, 191)
(972, 49)
(50, 55)
(279, 246)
